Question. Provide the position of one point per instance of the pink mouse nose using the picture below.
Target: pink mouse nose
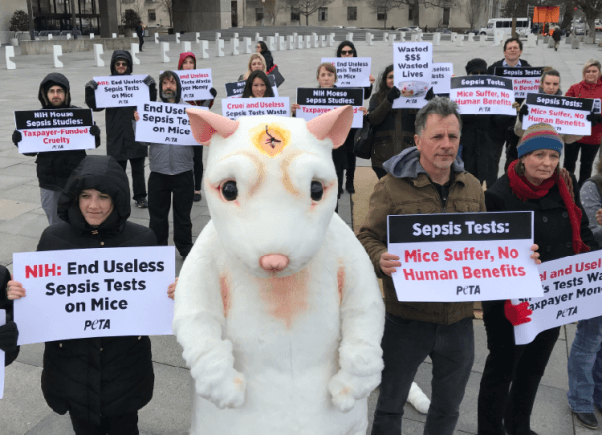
(274, 262)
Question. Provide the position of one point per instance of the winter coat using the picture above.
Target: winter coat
(393, 129)
(556, 35)
(6, 304)
(591, 199)
(407, 189)
(500, 63)
(121, 143)
(269, 60)
(108, 376)
(588, 90)
(552, 228)
(54, 167)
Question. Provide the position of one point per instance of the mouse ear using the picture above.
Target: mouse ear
(205, 124)
(334, 125)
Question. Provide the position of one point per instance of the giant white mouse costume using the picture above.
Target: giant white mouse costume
(277, 305)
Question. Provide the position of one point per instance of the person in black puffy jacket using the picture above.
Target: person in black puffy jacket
(54, 167)
(102, 382)
(8, 332)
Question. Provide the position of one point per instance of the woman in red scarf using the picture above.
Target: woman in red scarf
(535, 183)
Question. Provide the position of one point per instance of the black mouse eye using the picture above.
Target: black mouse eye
(229, 190)
(316, 190)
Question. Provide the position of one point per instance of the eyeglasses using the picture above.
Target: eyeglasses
(346, 51)
(121, 64)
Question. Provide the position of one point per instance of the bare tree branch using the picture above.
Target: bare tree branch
(473, 9)
(307, 7)
(168, 6)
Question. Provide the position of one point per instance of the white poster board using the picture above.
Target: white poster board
(196, 84)
(525, 79)
(441, 77)
(461, 257)
(316, 101)
(566, 114)
(165, 123)
(233, 108)
(412, 69)
(121, 91)
(483, 95)
(85, 293)
(572, 289)
(352, 72)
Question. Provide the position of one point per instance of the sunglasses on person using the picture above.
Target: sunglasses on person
(346, 51)
(121, 64)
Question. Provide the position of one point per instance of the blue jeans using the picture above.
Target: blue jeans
(585, 367)
(406, 344)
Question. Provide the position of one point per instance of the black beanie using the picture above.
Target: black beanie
(476, 65)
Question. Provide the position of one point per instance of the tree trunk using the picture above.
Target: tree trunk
(73, 20)
(591, 23)
(416, 13)
(514, 35)
(32, 26)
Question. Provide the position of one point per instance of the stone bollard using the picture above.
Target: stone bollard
(369, 39)
(307, 41)
(50, 36)
(246, 42)
(471, 37)
(218, 35)
(386, 37)
(235, 35)
(281, 43)
(164, 51)
(331, 39)
(220, 47)
(10, 52)
(350, 36)
(114, 35)
(392, 37)
(91, 35)
(97, 52)
(295, 37)
(460, 40)
(134, 50)
(156, 38)
(204, 46)
(419, 37)
(551, 43)
(299, 42)
(323, 42)
(271, 43)
(68, 36)
(177, 38)
(436, 38)
(575, 44)
(314, 40)
(57, 51)
(257, 38)
(453, 37)
(497, 39)
(402, 36)
(414, 37)
(290, 40)
(186, 46)
(197, 37)
(482, 40)
(234, 47)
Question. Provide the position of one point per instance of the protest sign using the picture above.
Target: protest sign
(461, 257)
(525, 79)
(482, 95)
(2, 355)
(196, 84)
(119, 91)
(85, 293)
(235, 107)
(55, 130)
(566, 114)
(165, 123)
(572, 288)
(412, 69)
(316, 101)
(352, 72)
(441, 77)
(235, 90)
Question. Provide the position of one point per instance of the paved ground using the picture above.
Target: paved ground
(23, 410)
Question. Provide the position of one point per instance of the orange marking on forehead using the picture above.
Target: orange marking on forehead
(271, 138)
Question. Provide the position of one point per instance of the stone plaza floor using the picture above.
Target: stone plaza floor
(22, 220)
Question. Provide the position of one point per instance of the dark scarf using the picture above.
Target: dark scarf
(525, 190)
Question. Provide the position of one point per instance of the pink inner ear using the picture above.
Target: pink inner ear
(205, 124)
(334, 125)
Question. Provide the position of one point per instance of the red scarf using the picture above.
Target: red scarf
(524, 190)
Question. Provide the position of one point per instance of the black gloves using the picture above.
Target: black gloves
(8, 336)
(524, 110)
(594, 118)
(213, 92)
(17, 137)
(92, 84)
(429, 95)
(148, 81)
(95, 131)
(393, 94)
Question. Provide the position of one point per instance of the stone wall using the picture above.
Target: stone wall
(79, 44)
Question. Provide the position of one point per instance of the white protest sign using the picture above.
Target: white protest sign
(85, 293)
(120, 91)
(55, 130)
(316, 101)
(482, 95)
(572, 289)
(460, 257)
(165, 123)
(566, 114)
(352, 72)
(2, 355)
(525, 79)
(412, 69)
(233, 108)
(441, 76)
(196, 84)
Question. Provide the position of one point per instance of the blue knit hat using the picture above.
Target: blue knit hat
(540, 136)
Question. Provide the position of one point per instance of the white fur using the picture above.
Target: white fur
(418, 399)
(255, 373)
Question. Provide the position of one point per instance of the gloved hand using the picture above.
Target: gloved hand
(149, 81)
(429, 95)
(17, 137)
(524, 110)
(393, 94)
(8, 336)
(92, 84)
(95, 131)
(594, 118)
(517, 314)
(213, 92)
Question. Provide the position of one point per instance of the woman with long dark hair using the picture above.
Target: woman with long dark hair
(262, 48)
(258, 86)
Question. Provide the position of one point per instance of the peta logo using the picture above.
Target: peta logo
(566, 313)
(97, 324)
(468, 290)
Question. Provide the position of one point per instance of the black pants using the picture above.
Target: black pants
(140, 42)
(126, 424)
(138, 183)
(198, 167)
(588, 155)
(380, 172)
(160, 189)
(351, 162)
(507, 363)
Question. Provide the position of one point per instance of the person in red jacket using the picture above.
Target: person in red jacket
(589, 87)
(188, 61)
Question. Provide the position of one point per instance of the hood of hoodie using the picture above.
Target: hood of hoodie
(406, 164)
(178, 92)
(121, 54)
(59, 79)
(104, 174)
(183, 56)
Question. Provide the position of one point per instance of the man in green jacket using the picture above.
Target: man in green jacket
(424, 179)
